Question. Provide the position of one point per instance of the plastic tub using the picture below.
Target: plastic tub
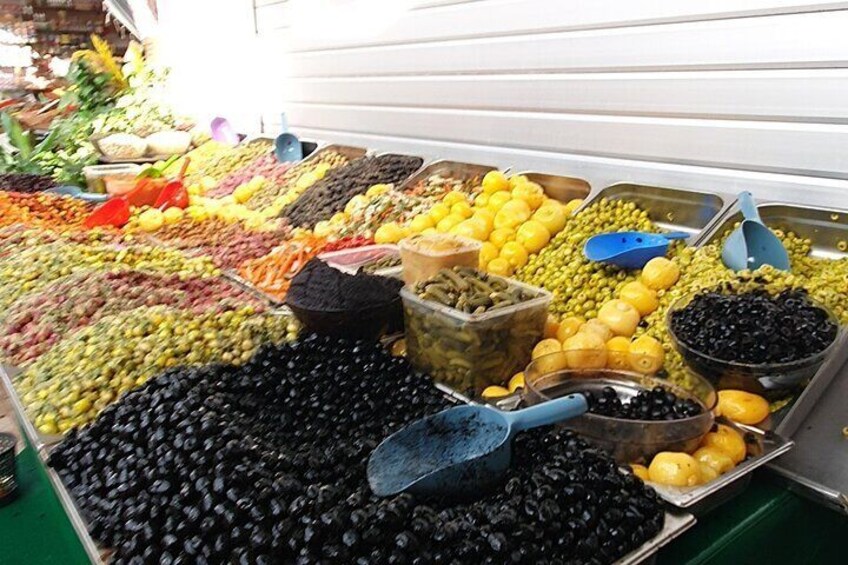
(469, 352)
(425, 255)
(765, 379)
(116, 180)
(351, 260)
(629, 441)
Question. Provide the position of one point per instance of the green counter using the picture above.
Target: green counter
(764, 524)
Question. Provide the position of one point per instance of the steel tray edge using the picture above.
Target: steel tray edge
(675, 524)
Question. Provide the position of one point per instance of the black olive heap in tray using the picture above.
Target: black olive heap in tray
(266, 463)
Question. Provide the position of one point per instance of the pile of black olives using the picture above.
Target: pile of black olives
(655, 404)
(754, 327)
(265, 463)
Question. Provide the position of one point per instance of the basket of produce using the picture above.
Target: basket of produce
(753, 340)
(631, 415)
(329, 302)
(470, 330)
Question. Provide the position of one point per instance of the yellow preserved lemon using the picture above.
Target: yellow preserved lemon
(715, 458)
(454, 197)
(516, 382)
(481, 200)
(659, 273)
(151, 220)
(172, 215)
(741, 406)
(640, 297)
(495, 181)
(498, 199)
(585, 350)
(640, 471)
(619, 316)
(438, 212)
(485, 215)
(500, 266)
(532, 235)
(515, 254)
(470, 229)
(488, 251)
(421, 222)
(728, 440)
(707, 473)
(388, 233)
(674, 469)
(551, 215)
(502, 236)
(617, 353)
(518, 180)
(551, 362)
(531, 193)
(546, 347)
(646, 355)
(461, 209)
(495, 392)
(597, 327)
(448, 222)
(569, 326)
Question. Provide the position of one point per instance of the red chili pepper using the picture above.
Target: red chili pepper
(114, 212)
(173, 195)
(146, 191)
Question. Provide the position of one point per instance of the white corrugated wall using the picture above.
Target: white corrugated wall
(717, 94)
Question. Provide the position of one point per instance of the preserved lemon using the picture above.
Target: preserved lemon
(619, 316)
(659, 273)
(715, 458)
(495, 392)
(617, 353)
(640, 471)
(707, 473)
(743, 407)
(646, 355)
(597, 327)
(674, 469)
(546, 347)
(569, 326)
(585, 350)
(494, 181)
(640, 297)
(551, 215)
(516, 382)
(551, 326)
(728, 440)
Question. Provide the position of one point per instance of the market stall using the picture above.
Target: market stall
(206, 345)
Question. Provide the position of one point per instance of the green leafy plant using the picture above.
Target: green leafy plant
(25, 156)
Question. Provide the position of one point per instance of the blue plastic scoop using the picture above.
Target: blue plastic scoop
(77, 192)
(460, 451)
(629, 249)
(287, 148)
(752, 244)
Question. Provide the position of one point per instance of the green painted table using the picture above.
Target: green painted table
(764, 524)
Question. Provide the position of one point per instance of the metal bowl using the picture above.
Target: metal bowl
(629, 441)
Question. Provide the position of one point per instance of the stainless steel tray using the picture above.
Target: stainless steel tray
(350, 151)
(451, 169)
(676, 523)
(702, 498)
(817, 464)
(675, 209)
(560, 187)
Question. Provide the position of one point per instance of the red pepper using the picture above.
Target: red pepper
(146, 191)
(114, 212)
(173, 195)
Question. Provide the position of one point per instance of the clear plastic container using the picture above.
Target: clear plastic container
(423, 256)
(115, 179)
(469, 352)
(351, 260)
(629, 441)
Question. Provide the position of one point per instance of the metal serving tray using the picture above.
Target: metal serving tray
(674, 209)
(676, 523)
(449, 169)
(560, 187)
(700, 499)
(350, 151)
(817, 464)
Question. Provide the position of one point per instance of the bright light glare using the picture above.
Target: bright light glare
(344, 19)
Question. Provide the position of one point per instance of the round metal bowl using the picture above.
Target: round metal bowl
(629, 441)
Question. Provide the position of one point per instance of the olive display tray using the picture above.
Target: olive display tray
(673, 209)
(559, 187)
(452, 169)
(38, 440)
(675, 524)
(700, 499)
(811, 418)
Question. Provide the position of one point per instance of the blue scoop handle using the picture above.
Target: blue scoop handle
(748, 206)
(675, 235)
(546, 413)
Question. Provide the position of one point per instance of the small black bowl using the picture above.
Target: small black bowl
(367, 323)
